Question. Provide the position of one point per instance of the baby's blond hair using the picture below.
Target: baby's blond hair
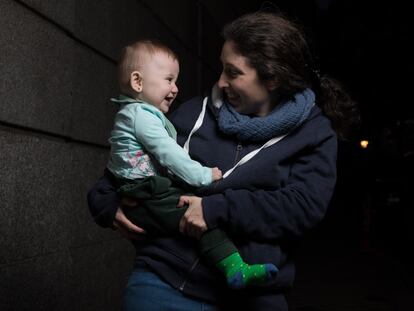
(131, 59)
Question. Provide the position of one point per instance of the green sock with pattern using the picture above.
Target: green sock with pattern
(240, 274)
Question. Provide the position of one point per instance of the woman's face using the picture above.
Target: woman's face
(241, 84)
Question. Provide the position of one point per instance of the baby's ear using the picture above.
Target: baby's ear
(135, 81)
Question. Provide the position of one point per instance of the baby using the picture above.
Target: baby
(144, 149)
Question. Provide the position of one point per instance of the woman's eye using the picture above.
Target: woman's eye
(231, 73)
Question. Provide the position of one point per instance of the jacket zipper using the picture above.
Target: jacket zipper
(188, 274)
(238, 149)
(181, 288)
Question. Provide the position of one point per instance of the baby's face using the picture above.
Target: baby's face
(159, 76)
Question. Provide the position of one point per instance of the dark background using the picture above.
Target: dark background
(57, 65)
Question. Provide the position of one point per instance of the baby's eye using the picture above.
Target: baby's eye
(170, 79)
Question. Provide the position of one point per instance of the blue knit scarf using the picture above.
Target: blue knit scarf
(283, 119)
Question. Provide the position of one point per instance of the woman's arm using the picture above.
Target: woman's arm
(286, 212)
(104, 205)
(103, 201)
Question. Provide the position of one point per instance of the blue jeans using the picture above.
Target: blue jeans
(147, 292)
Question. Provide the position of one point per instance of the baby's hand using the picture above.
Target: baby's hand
(216, 173)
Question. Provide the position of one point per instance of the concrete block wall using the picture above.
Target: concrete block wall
(57, 72)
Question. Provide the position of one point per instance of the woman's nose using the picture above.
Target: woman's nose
(222, 82)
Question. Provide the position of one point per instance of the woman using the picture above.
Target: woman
(267, 123)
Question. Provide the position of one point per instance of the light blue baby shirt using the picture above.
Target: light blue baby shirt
(141, 129)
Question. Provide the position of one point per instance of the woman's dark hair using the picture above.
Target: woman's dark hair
(276, 47)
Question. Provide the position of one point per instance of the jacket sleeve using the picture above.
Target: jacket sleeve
(103, 201)
(284, 213)
(151, 133)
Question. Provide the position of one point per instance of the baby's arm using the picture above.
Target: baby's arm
(150, 132)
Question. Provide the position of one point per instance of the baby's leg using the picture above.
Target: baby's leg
(219, 250)
(157, 210)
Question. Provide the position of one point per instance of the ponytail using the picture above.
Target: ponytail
(338, 106)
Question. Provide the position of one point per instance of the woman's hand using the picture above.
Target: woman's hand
(124, 225)
(192, 223)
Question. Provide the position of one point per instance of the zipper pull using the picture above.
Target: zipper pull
(238, 149)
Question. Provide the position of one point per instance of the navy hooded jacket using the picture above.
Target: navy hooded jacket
(265, 205)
